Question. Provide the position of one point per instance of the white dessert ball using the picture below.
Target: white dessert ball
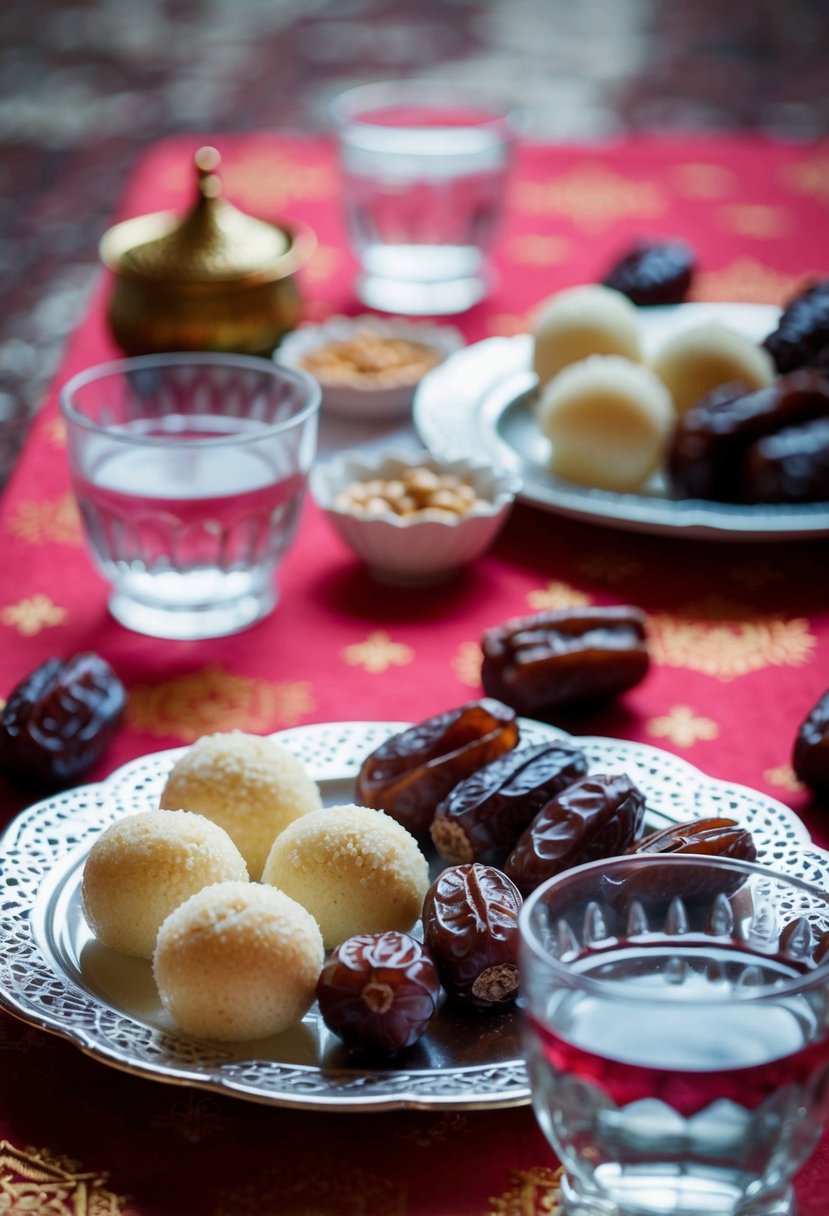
(143, 866)
(584, 321)
(700, 359)
(251, 786)
(238, 961)
(609, 421)
(356, 870)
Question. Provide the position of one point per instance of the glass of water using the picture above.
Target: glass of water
(424, 170)
(676, 1019)
(190, 471)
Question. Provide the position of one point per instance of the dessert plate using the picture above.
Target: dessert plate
(479, 403)
(56, 976)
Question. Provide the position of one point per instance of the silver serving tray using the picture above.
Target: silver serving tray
(480, 403)
(56, 976)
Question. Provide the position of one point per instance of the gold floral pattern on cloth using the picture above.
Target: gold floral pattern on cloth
(607, 566)
(436, 1131)
(262, 179)
(704, 180)
(758, 220)
(557, 595)
(509, 324)
(534, 1192)
(467, 664)
(212, 699)
(36, 1181)
(727, 640)
(783, 775)
(325, 261)
(682, 726)
(536, 249)
(55, 430)
(312, 1187)
(745, 281)
(193, 1117)
(39, 521)
(809, 177)
(377, 653)
(591, 196)
(756, 575)
(32, 615)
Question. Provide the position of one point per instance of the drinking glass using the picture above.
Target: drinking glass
(675, 1017)
(190, 471)
(424, 170)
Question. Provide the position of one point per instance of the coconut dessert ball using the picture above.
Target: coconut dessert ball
(609, 421)
(584, 321)
(251, 786)
(693, 363)
(356, 870)
(238, 961)
(143, 866)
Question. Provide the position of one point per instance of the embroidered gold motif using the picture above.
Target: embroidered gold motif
(535, 1192)
(508, 324)
(591, 196)
(755, 219)
(312, 1186)
(377, 653)
(537, 250)
(193, 1118)
(467, 664)
(263, 179)
(810, 177)
(210, 700)
(424, 1135)
(50, 519)
(682, 726)
(610, 567)
(324, 262)
(783, 776)
(36, 1181)
(32, 615)
(557, 595)
(726, 640)
(55, 431)
(704, 181)
(747, 281)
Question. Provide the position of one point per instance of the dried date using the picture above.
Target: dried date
(810, 758)
(573, 656)
(597, 816)
(470, 926)
(789, 466)
(379, 991)
(653, 272)
(59, 720)
(409, 774)
(714, 837)
(801, 338)
(483, 816)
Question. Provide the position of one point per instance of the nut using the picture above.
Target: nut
(414, 492)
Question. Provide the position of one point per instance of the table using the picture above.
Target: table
(741, 641)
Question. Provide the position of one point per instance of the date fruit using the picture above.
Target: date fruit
(810, 759)
(379, 991)
(470, 927)
(598, 816)
(711, 837)
(801, 338)
(483, 816)
(789, 466)
(573, 656)
(653, 272)
(59, 720)
(409, 774)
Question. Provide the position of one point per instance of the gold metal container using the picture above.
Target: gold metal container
(213, 279)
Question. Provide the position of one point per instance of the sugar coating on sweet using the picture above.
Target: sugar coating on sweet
(609, 421)
(143, 866)
(700, 359)
(355, 869)
(251, 786)
(238, 961)
(584, 321)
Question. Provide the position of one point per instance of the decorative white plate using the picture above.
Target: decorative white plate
(54, 975)
(479, 403)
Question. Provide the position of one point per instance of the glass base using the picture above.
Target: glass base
(699, 1200)
(191, 623)
(419, 299)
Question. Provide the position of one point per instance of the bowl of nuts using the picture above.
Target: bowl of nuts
(368, 367)
(410, 518)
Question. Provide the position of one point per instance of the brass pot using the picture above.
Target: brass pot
(215, 279)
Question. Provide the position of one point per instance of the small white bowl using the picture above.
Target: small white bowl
(421, 548)
(367, 401)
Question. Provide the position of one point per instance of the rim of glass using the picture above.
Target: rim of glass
(100, 371)
(354, 106)
(530, 939)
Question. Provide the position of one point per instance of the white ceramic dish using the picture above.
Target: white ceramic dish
(479, 404)
(55, 976)
(367, 402)
(419, 548)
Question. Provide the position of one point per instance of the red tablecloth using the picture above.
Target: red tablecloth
(740, 635)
